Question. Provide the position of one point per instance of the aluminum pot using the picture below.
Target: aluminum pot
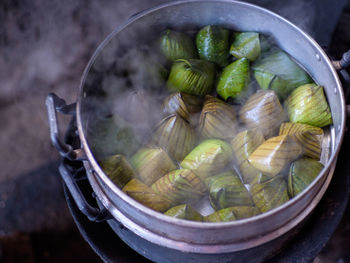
(199, 237)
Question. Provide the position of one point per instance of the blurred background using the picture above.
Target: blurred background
(44, 47)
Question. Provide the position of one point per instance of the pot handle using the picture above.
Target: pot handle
(55, 104)
(343, 63)
(341, 66)
(71, 176)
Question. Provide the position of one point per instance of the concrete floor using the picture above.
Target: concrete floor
(44, 47)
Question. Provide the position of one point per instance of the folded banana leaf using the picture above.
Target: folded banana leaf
(234, 79)
(243, 145)
(176, 45)
(223, 215)
(263, 110)
(183, 104)
(112, 135)
(246, 45)
(208, 158)
(175, 136)
(146, 196)
(277, 71)
(151, 163)
(307, 104)
(192, 76)
(310, 137)
(228, 190)
(275, 154)
(180, 186)
(269, 194)
(301, 173)
(217, 119)
(213, 44)
(184, 212)
(118, 169)
(242, 212)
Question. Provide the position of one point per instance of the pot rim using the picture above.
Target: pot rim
(206, 225)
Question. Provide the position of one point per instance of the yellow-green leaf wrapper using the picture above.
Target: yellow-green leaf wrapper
(183, 104)
(275, 154)
(234, 79)
(175, 136)
(246, 45)
(307, 104)
(243, 145)
(111, 135)
(263, 110)
(192, 76)
(176, 45)
(301, 173)
(310, 137)
(277, 71)
(242, 212)
(213, 44)
(118, 169)
(184, 212)
(180, 186)
(227, 190)
(217, 119)
(146, 196)
(223, 215)
(151, 163)
(269, 194)
(208, 158)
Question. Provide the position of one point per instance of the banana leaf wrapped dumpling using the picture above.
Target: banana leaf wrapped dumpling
(184, 212)
(175, 136)
(217, 119)
(213, 44)
(208, 158)
(310, 137)
(301, 173)
(146, 196)
(223, 215)
(232, 213)
(151, 164)
(234, 79)
(275, 154)
(192, 76)
(180, 186)
(307, 104)
(112, 135)
(176, 45)
(227, 190)
(242, 212)
(185, 105)
(264, 111)
(246, 45)
(118, 169)
(277, 71)
(269, 193)
(243, 145)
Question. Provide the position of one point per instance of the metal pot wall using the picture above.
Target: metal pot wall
(188, 236)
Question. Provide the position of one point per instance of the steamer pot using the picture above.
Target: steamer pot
(188, 236)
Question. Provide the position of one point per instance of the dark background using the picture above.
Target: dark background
(44, 47)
